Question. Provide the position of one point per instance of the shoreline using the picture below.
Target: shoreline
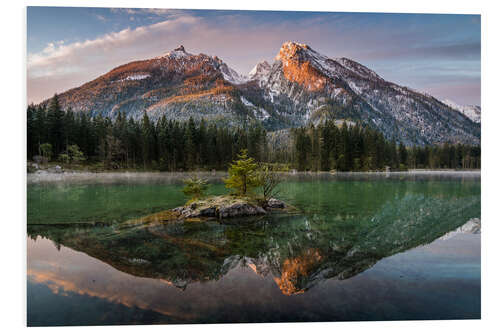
(176, 177)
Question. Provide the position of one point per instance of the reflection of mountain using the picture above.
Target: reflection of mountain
(473, 226)
(298, 251)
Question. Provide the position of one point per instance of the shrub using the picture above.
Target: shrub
(75, 154)
(46, 151)
(64, 158)
(270, 178)
(194, 187)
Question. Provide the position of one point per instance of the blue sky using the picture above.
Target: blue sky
(438, 54)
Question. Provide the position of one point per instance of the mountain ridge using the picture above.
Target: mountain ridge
(300, 87)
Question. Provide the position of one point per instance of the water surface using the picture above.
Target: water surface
(364, 247)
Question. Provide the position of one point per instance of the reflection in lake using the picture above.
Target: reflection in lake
(359, 250)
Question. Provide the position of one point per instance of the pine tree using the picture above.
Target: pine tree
(40, 128)
(403, 156)
(243, 174)
(190, 139)
(55, 122)
(148, 141)
(31, 142)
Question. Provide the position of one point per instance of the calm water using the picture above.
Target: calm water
(361, 248)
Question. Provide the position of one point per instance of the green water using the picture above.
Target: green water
(79, 203)
(348, 229)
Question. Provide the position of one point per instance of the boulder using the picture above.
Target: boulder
(178, 209)
(275, 203)
(208, 212)
(39, 159)
(223, 207)
(240, 209)
(183, 211)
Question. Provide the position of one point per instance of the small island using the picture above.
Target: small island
(245, 175)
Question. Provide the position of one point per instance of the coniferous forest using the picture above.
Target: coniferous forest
(124, 143)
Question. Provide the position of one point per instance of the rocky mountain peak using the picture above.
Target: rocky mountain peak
(260, 70)
(300, 65)
(178, 52)
(290, 50)
(180, 48)
(302, 86)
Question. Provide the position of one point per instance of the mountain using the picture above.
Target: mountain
(301, 86)
(471, 111)
(260, 71)
(178, 84)
(304, 85)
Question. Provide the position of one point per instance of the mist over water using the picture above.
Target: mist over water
(362, 247)
(215, 177)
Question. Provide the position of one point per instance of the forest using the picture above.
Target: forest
(67, 137)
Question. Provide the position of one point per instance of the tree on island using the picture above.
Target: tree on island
(243, 174)
(270, 178)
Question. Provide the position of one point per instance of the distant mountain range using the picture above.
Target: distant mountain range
(302, 86)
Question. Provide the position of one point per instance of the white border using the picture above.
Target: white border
(13, 89)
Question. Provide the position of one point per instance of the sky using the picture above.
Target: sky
(433, 53)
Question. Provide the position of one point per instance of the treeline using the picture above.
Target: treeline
(169, 145)
(356, 148)
(166, 145)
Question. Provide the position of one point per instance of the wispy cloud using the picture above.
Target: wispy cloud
(402, 49)
(101, 17)
(59, 64)
(148, 11)
(80, 54)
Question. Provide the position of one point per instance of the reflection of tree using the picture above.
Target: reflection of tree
(298, 251)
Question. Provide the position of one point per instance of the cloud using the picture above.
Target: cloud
(460, 51)
(59, 64)
(58, 57)
(101, 17)
(147, 11)
(243, 38)
(59, 67)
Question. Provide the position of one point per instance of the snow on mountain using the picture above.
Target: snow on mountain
(137, 77)
(258, 112)
(260, 71)
(230, 74)
(471, 111)
(304, 86)
(299, 87)
(178, 52)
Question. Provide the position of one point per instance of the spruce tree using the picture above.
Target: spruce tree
(55, 122)
(243, 174)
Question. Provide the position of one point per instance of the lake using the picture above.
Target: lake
(397, 246)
